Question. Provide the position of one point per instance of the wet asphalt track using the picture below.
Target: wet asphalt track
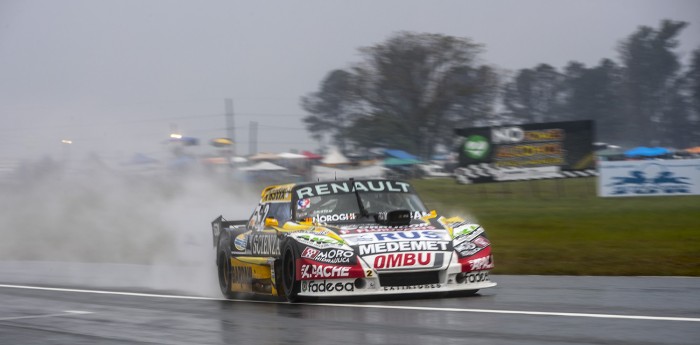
(521, 310)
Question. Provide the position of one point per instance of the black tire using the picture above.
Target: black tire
(290, 285)
(223, 263)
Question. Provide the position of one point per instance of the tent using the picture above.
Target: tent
(695, 149)
(400, 154)
(263, 156)
(334, 157)
(263, 166)
(322, 173)
(642, 151)
(221, 142)
(311, 155)
(290, 155)
(389, 162)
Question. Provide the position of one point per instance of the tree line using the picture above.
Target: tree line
(413, 90)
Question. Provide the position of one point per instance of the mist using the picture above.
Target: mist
(100, 227)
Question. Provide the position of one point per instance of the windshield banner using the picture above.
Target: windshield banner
(347, 187)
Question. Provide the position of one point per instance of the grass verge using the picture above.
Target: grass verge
(561, 227)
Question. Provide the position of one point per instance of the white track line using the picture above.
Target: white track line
(65, 313)
(370, 306)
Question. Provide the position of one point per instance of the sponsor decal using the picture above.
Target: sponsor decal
(412, 215)
(329, 256)
(493, 153)
(469, 237)
(463, 230)
(326, 286)
(412, 287)
(303, 204)
(476, 277)
(347, 187)
(283, 193)
(333, 217)
(242, 275)
(264, 244)
(650, 179)
(311, 271)
(476, 146)
(216, 228)
(515, 134)
(361, 229)
(408, 235)
(309, 253)
(318, 241)
(532, 148)
(408, 260)
(404, 246)
(529, 150)
(484, 263)
(467, 248)
(361, 238)
(241, 241)
(481, 241)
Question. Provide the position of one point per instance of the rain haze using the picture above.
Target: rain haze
(116, 78)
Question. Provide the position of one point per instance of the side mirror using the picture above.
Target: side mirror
(269, 221)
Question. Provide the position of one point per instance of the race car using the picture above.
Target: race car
(349, 238)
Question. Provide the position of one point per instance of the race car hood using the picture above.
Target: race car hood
(426, 227)
(356, 234)
(418, 244)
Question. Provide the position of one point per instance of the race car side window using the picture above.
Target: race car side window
(257, 220)
(281, 211)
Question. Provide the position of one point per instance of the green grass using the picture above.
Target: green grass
(562, 227)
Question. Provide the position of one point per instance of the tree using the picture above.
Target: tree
(650, 70)
(331, 109)
(535, 95)
(692, 78)
(408, 92)
(593, 94)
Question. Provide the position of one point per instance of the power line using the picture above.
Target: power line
(133, 121)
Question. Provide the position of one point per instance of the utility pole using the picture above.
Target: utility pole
(230, 125)
(253, 138)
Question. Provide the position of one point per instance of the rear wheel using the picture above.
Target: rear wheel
(223, 262)
(289, 282)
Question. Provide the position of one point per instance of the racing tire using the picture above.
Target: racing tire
(290, 284)
(223, 263)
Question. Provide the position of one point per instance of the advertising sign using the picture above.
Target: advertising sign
(528, 151)
(649, 178)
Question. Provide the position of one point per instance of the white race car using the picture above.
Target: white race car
(349, 238)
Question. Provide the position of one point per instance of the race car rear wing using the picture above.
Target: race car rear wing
(220, 223)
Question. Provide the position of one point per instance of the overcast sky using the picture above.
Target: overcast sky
(117, 76)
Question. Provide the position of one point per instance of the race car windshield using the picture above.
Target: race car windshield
(343, 207)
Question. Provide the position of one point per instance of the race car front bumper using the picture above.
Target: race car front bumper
(398, 283)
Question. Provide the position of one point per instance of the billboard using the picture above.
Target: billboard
(649, 178)
(527, 151)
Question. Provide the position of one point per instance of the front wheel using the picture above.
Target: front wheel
(290, 284)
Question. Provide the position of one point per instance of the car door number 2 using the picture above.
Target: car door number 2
(261, 215)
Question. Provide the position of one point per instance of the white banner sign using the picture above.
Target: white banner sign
(649, 177)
